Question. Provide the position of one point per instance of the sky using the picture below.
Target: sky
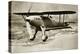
(18, 6)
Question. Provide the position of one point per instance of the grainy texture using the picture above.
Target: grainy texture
(58, 39)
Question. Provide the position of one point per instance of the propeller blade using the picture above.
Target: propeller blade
(29, 29)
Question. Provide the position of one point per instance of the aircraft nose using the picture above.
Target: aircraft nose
(28, 19)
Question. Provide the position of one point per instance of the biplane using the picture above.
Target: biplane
(44, 23)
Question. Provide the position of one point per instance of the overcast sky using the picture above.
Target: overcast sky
(18, 6)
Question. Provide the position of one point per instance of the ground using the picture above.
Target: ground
(57, 40)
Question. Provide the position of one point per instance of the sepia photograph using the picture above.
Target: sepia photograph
(36, 26)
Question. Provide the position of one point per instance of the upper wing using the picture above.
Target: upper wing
(29, 14)
(59, 12)
(48, 12)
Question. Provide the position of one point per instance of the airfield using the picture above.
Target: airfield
(59, 39)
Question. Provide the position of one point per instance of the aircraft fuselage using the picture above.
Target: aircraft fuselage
(38, 21)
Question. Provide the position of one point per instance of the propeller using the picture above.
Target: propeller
(28, 25)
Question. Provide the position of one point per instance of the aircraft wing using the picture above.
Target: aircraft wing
(59, 12)
(29, 14)
(55, 28)
(47, 12)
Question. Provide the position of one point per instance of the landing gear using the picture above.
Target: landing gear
(44, 37)
(31, 39)
(44, 40)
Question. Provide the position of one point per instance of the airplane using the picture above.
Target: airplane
(44, 23)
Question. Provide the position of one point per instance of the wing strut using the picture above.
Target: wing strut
(63, 17)
(59, 18)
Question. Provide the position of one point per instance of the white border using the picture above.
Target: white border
(4, 26)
